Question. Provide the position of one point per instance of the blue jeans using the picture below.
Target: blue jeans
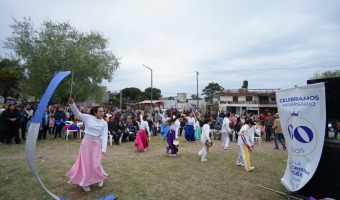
(336, 132)
(278, 136)
(268, 134)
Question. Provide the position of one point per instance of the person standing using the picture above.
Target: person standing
(198, 131)
(44, 125)
(142, 141)
(51, 124)
(59, 120)
(269, 123)
(22, 122)
(189, 128)
(245, 142)
(278, 132)
(3, 128)
(225, 132)
(174, 124)
(10, 123)
(336, 128)
(88, 169)
(164, 125)
(204, 139)
(28, 114)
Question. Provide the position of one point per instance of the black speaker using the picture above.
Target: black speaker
(326, 179)
(332, 86)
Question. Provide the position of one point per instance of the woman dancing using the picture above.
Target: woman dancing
(142, 141)
(88, 169)
(174, 124)
(189, 128)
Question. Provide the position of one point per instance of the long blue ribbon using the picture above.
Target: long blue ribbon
(34, 130)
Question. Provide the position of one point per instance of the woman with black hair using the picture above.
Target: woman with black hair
(142, 141)
(59, 120)
(88, 169)
(172, 136)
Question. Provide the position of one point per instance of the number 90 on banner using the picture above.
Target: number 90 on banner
(302, 135)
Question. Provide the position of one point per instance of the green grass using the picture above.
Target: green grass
(148, 175)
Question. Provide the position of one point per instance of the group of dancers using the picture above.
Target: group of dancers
(170, 130)
(88, 170)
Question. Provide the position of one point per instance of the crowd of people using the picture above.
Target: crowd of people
(138, 126)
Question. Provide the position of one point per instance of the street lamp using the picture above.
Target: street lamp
(151, 86)
(197, 73)
(120, 101)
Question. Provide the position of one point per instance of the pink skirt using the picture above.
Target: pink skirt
(88, 169)
(141, 141)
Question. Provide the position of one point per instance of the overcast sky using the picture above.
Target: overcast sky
(270, 43)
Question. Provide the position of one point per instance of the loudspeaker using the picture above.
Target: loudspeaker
(332, 96)
(326, 179)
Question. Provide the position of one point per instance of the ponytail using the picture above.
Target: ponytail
(175, 117)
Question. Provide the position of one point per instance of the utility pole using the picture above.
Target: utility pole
(151, 86)
(197, 73)
(120, 101)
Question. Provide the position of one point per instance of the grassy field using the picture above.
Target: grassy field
(147, 175)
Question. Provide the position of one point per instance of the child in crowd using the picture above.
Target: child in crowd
(197, 129)
(51, 125)
(204, 139)
(245, 142)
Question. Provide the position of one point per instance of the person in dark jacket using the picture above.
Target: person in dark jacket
(60, 118)
(114, 129)
(10, 124)
(44, 125)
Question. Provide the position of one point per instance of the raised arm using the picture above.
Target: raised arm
(75, 110)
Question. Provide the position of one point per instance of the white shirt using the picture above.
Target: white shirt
(175, 126)
(191, 120)
(29, 113)
(225, 126)
(164, 119)
(93, 126)
(144, 125)
(197, 125)
(248, 133)
(205, 133)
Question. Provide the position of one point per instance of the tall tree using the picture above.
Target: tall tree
(60, 47)
(10, 75)
(194, 97)
(210, 90)
(326, 74)
(156, 93)
(131, 93)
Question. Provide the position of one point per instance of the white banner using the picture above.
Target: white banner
(303, 119)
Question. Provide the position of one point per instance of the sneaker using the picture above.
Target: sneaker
(172, 154)
(100, 184)
(86, 188)
(250, 169)
(226, 148)
(204, 160)
(238, 164)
